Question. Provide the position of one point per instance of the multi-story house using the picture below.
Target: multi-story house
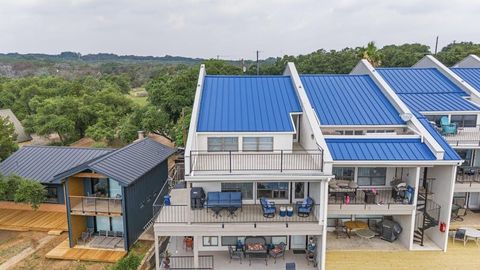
(449, 98)
(325, 149)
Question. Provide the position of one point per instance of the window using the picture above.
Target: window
(210, 241)
(435, 118)
(229, 240)
(372, 176)
(218, 144)
(464, 120)
(467, 155)
(349, 132)
(52, 194)
(344, 173)
(258, 144)
(245, 188)
(272, 190)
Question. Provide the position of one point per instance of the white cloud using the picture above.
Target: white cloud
(231, 28)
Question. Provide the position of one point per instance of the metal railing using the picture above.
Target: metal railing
(250, 213)
(468, 175)
(95, 205)
(464, 136)
(358, 197)
(205, 262)
(237, 161)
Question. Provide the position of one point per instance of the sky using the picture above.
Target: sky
(229, 29)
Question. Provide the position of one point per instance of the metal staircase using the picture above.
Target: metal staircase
(428, 212)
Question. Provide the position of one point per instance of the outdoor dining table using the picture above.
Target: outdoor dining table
(472, 233)
(365, 233)
(354, 225)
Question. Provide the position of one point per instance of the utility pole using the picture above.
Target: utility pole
(258, 67)
(436, 46)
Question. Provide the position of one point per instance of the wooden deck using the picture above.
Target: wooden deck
(29, 220)
(64, 252)
(456, 257)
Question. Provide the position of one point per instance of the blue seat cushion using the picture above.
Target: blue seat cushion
(269, 210)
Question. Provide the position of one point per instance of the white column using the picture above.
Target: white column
(157, 254)
(196, 262)
(189, 205)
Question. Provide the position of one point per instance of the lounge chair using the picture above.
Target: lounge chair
(305, 207)
(447, 127)
(459, 235)
(268, 208)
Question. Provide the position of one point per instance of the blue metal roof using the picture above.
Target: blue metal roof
(127, 164)
(438, 102)
(470, 75)
(349, 100)
(247, 104)
(418, 80)
(426, 89)
(379, 149)
(42, 163)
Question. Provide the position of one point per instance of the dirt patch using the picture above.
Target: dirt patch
(12, 243)
(38, 260)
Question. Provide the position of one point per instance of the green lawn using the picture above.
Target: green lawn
(140, 100)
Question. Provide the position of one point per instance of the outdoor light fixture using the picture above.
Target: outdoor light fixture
(406, 116)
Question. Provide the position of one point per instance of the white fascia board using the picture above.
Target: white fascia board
(471, 61)
(244, 133)
(364, 126)
(429, 61)
(258, 178)
(451, 112)
(379, 136)
(395, 163)
(308, 111)
(192, 136)
(364, 67)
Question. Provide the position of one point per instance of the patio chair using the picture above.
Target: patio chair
(278, 251)
(235, 254)
(459, 235)
(447, 127)
(268, 208)
(305, 207)
(83, 238)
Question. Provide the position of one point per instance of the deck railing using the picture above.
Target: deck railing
(464, 136)
(468, 175)
(205, 262)
(238, 161)
(250, 213)
(95, 205)
(357, 197)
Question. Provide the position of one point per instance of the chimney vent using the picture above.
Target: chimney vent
(141, 134)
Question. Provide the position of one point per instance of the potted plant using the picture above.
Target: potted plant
(166, 260)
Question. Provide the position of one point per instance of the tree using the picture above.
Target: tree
(405, 55)
(31, 192)
(455, 52)
(371, 54)
(7, 139)
(10, 186)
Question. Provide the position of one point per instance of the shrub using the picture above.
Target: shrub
(11, 185)
(131, 262)
(30, 192)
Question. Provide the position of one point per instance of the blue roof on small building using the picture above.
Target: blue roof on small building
(42, 163)
(426, 89)
(470, 75)
(349, 100)
(247, 104)
(379, 149)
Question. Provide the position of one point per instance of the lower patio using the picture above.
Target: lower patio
(471, 220)
(82, 253)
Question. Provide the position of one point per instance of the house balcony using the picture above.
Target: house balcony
(95, 206)
(362, 201)
(465, 137)
(468, 179)
(237, 162)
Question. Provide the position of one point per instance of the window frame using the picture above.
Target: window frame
(461, 122)
(258, 145)
(343, 175)
(234, 189)
(222, 145)
(274, 192)
(210, 242)
(371, 176)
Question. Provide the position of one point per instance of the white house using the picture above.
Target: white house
(347, 145)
